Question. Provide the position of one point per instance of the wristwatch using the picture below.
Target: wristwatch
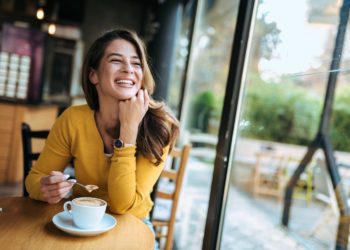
(118, 143)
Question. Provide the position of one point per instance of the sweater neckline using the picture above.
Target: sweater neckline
(96, 132)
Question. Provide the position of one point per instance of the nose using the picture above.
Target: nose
(127, 67)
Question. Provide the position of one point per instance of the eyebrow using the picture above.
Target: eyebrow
(120, 55)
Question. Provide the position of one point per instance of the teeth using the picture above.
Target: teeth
(125, 81)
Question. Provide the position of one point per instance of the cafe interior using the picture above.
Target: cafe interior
(260, 88)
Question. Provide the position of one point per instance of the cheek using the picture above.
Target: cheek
(139, 72)
(140, 76)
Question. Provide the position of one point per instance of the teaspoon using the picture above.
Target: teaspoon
(88, 188)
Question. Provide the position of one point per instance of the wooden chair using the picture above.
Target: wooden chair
(268, 175)
(28, 155)
(167, 192)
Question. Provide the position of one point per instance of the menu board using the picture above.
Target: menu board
(21, 62)
(14, 75)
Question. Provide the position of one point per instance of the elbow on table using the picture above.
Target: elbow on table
(119, 208)
(33, 189)
(123, 205)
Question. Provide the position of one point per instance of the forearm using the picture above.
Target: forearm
(131, 179)
(47, 162)
(122, 180)
(32, 183)
(128, 134)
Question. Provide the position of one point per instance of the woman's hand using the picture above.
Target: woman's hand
(55, 186)
(131, 113)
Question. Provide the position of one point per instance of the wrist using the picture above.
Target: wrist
(128, 135)
(128, 140)
(119, 143)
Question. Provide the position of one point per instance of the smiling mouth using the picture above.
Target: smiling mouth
(124, 82)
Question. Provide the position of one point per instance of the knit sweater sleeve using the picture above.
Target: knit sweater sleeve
(54, 157)
(131, 180)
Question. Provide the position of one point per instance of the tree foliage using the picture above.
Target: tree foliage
(289, 114)
(280, 112)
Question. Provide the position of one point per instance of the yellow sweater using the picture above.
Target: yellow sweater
(125, 180)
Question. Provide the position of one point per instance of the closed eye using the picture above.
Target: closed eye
(137, 64)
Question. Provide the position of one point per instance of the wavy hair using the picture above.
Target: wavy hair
(159, 127)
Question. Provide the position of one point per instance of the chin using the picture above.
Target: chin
(126, 97)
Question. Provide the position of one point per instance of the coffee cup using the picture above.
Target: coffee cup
(87, 212)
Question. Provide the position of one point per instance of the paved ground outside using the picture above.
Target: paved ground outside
(250, 223)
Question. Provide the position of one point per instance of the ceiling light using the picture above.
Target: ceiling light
(51, 29)
(40, 14)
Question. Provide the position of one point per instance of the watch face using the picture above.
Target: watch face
(118, 143)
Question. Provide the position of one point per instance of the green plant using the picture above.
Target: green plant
(340, 120)
(203, 105)
(280, 112)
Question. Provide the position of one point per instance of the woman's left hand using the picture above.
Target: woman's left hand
(131, 113)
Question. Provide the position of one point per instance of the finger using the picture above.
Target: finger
(63, 184)
(56, 173)
(121, 104)
(72, 181)
(140, 96)
(58, 193)
(146, 98)
(52, 179)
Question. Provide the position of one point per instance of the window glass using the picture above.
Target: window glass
(201, 108)
(288, 69)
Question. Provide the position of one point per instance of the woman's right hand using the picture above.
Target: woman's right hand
(55, 186)
(131, 113)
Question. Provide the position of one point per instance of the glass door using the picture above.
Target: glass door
(287, 74)
(205, 83)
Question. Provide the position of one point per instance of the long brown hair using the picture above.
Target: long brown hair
(159, 127)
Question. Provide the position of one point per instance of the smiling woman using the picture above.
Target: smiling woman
(119, 141)
(119, 74)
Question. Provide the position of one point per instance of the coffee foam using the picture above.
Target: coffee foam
(91, 202)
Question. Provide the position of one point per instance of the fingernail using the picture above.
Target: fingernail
(72, 180)
(66, 176)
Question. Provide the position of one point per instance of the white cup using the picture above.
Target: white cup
(87, 212)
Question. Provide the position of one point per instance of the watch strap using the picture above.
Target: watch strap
(118, 143)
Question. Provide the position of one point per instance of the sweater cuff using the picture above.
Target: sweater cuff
(125, 152)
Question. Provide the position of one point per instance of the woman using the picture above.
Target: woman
(119, 141)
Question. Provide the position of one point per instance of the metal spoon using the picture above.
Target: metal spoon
(88, 188)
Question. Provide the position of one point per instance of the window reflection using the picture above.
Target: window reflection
(288, 71)
(201, 109)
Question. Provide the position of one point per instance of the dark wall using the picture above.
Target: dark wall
(103, 15)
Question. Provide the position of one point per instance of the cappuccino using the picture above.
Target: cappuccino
(91, 202)
(86, 212)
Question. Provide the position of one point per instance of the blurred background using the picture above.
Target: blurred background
(190, 45)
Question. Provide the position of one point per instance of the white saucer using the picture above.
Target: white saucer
(64, 222)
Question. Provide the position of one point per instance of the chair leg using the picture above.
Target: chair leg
(169, 238)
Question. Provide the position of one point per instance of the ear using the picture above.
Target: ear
(93, 76)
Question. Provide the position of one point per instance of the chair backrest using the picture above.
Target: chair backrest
(268, 175)
(173, 176)
(28, 155)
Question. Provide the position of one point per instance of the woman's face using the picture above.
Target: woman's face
(120, 74)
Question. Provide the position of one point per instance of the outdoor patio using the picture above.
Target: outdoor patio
(251, 222)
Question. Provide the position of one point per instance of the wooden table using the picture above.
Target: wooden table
(27, 224)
